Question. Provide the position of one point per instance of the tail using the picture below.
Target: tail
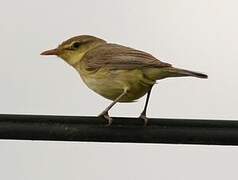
(161, 73)
(176, 72)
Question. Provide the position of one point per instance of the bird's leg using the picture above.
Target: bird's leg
(105, 115)
(143, 114)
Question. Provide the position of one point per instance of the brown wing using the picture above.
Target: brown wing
(115, 56)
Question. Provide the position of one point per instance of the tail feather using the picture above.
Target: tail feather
(161, 73)
(183, 72)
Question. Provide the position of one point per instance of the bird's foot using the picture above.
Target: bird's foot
(144, 118)
(105, 116)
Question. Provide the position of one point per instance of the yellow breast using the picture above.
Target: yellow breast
(111, 83)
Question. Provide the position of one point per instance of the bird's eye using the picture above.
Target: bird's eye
(76, 45)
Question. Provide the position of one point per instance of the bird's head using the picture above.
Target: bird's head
(73, 49)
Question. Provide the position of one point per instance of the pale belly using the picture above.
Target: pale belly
(111, 84)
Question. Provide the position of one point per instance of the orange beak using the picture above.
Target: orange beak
(55, 51)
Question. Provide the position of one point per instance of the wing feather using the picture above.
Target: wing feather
(115, 56)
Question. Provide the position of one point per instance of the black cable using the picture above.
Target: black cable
(73, 128)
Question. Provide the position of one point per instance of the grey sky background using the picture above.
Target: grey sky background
(196, 35)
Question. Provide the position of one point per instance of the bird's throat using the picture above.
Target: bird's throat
(72, 59)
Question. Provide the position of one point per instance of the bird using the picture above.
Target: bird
(116, 72)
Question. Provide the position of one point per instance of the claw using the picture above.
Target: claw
(144, 118)
(105, 116)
